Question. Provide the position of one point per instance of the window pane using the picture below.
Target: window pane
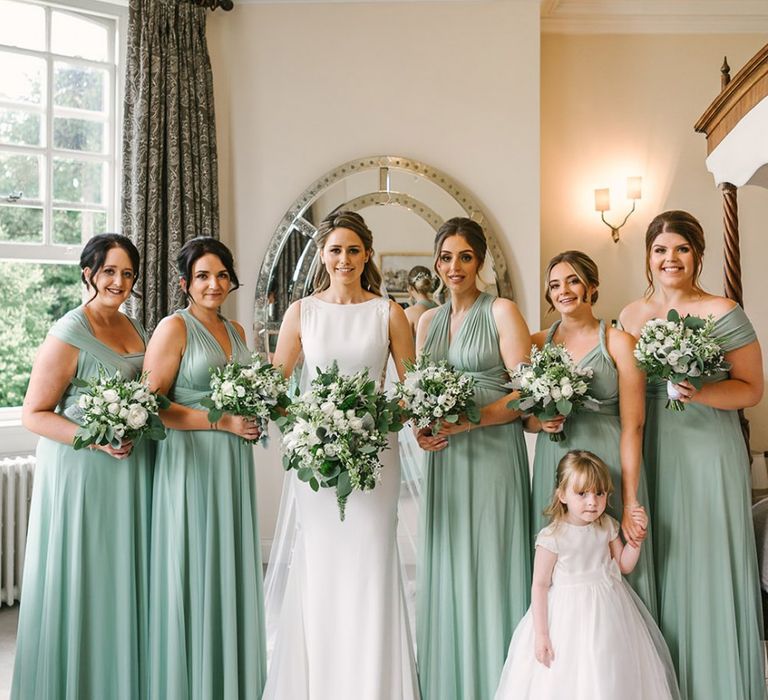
(21, 78)
(75, 227)
(78, 135)
(32, 297)
(21, 224)
(79, 87)
(21, 128)
(22, 25)
(79, 36)
(78, 181)
(19, 174)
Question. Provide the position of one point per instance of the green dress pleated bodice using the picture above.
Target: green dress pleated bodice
(207, 637)
(706, 563)
(598, 431)
(474, 583)
(83, 619)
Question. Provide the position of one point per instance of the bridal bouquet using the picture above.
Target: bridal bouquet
(112, 410)
(551, 385)
(255, 390)
(432, 392)
(679, 349)
(334, 432)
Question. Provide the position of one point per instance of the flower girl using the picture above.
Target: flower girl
(586, 634)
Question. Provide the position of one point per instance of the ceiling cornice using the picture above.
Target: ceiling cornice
(654, 16)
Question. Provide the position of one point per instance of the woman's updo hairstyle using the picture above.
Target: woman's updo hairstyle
(421, 279)
(471, 231)
(371, 278)
(194, 249)
(683, 224)
(94, 254)
(584, 267)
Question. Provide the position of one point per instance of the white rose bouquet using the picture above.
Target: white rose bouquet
(112, 410)
(332, 435)
(551, 385)
(432, 392)
(255, 390)
(680, 349)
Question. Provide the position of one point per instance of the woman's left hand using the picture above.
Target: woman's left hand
(461, 426)
(634, 524)
(687, 391)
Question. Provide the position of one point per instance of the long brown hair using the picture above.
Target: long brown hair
(683, 224)
(371, 278)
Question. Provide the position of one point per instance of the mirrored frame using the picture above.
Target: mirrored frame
(287, 270)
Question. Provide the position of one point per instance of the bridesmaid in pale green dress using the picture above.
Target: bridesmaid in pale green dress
(83, 617)
(475, 573)
(698, 474)
(614, 431)
(206, 629)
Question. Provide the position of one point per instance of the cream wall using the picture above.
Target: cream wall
(300, 88)
(614, 106)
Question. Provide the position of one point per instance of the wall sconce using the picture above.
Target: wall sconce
(603, 203)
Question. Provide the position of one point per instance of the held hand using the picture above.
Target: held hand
(553, 425)
(246, 428)
(117, 452)
(634, 524)
(544, 652)
(429, 442)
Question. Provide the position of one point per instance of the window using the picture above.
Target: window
(58, 165)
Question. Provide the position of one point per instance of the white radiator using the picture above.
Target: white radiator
(16, 474)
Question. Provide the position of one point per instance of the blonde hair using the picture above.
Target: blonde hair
(586, 472)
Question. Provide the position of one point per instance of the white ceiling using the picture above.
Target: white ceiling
(654, 16)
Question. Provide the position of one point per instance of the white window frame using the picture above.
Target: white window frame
(13, 437)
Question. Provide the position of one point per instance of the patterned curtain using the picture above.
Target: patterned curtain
(170, 180)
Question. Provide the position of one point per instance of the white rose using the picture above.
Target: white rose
(328, 407)
(556, 393)
(355, 423)
(228, 388)
(123, 412)
(567, 391)
(110, 396)
(674, 357)
(137, 417)
(240, 391)
(140, 395)
(114, 408)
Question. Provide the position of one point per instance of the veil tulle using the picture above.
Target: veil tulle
(281, 554)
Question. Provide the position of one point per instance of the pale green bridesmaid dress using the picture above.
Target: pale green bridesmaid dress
(704, 544)
(598, 431)
(207, 637)
(84, 611)
(475, 578)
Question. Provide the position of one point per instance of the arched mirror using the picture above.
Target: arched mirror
(403, 201)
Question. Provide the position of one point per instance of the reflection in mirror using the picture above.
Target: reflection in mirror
(404, 203)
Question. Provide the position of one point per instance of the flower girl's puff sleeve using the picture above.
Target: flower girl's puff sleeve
(613, 528)
(546, 539)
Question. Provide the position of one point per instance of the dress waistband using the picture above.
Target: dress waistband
(609, 573)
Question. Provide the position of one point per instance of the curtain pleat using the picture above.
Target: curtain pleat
(170, 178)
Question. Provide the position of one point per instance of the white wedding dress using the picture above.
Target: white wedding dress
(342, 631)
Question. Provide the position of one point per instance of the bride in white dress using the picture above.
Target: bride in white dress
(342, 630)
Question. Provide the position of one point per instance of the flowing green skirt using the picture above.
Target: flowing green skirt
(84, 610)
(706, 562)
(207, 637)
(475, 578)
